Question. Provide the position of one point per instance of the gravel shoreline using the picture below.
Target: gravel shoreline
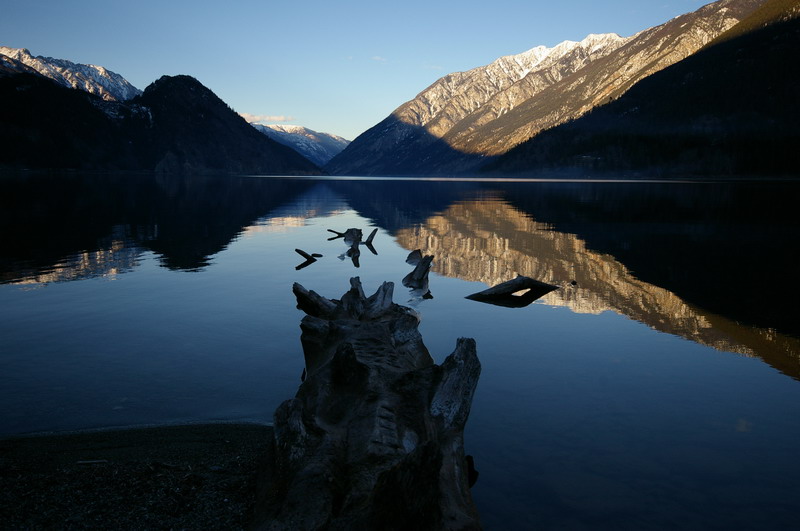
(199, 476)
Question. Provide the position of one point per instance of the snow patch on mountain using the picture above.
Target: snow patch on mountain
(317, 147)
(91, 78)
(447, 101)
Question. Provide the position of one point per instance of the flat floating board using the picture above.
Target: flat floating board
(504, 294)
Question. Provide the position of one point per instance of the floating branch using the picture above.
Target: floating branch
(350, 236)
(369, 241)
(337, 233)
(310, 258)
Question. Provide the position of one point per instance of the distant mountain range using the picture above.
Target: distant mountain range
(712, 91)
(128, 130)
(465, 120)
(93, 79)
(175, 126)
(317, 147)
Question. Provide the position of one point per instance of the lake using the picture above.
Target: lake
(658, 388)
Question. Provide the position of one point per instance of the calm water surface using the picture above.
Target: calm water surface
(657, 389)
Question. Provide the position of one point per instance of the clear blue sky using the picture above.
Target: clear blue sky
(338, 67)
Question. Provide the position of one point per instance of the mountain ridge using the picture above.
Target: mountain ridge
(176, 125)
(439, 134)
(730, 108)
(93, 79)
(317, 147)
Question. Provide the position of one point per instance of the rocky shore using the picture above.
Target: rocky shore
(171, 477)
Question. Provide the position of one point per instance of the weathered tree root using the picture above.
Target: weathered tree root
(374, 437)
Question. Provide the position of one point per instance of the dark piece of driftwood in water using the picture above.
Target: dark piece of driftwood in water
(350, 236)
(505, 294)
(374, 438)
(353, 253)
(368, 243)
(310, 258)
(418, 278)
(414, 257)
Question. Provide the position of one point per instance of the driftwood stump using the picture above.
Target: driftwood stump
(374, 437)
(418, 278)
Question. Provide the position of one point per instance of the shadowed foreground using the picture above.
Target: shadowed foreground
(172, 477)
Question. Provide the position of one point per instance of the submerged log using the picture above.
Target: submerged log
(515, 293)
(374, 437)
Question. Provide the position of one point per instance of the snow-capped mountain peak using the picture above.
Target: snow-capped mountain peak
(91, 78)
(317, 147)
(454, 97)
(542, 55)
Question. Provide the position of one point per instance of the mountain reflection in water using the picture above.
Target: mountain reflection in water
(49, 220)
(490, 241)
(71, 228)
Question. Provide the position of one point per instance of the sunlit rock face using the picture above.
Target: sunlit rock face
(490, 241)
(91, 78)
(464, 117)
(606, 78)
(495, 89)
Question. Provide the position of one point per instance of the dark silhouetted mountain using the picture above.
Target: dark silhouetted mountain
(191, 129)
(769, 13)
(730, 109)
(464, 118)
(45, 125)
(176, 125)
(394, 147)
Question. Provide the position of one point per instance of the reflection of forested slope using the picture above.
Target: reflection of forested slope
(47, 221)
(490, 241)
(722, 246)
(110, 256)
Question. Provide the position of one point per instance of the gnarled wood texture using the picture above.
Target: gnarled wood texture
(374, 437)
